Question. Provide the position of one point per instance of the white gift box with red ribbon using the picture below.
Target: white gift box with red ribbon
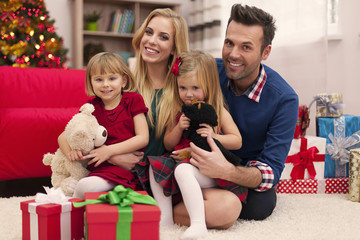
(43, 219)
(305, 159)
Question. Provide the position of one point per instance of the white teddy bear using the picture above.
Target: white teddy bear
(83, 133)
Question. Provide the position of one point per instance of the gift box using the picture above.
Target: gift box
(53, 221)
(328, 104)
(303, 122)
(135, 221)
(342, 134)
(354, 175)
(314, 186)
(305, 159)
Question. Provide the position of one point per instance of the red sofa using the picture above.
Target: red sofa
(35, 105)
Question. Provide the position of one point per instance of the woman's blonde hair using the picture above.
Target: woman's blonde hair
(143, 80)
(203, 67)
(105, 63)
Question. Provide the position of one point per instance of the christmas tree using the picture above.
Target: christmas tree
(28, 37)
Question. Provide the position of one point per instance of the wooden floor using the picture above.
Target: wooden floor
(23, 187)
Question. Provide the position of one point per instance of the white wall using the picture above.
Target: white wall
(319, 66)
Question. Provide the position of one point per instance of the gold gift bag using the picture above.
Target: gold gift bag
(354, 175)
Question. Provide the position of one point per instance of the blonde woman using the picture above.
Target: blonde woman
(158, 42)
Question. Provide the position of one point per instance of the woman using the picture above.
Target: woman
(158, 42)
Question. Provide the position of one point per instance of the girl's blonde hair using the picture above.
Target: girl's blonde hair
(203, 67)
(105, 63)
(143, 80)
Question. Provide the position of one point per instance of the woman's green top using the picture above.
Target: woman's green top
(155, 146)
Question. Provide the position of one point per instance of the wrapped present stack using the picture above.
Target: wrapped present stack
(340, 130)
(337, 134)
(354, 175)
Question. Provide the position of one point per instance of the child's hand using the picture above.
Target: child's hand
(205, 130)
(74, 155)
(98, 155)
(184, 122)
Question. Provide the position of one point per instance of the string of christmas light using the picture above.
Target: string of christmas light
(28, 37)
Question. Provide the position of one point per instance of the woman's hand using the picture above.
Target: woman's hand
(126, 161)
(98, 155)
(176, 155)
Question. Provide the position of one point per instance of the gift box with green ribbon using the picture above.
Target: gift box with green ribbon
(121, 214)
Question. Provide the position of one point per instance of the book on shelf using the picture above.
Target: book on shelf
(121, 21)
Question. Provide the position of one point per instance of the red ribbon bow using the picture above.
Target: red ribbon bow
(304, 160)
(175, 69)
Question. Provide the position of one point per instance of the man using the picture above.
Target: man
(265, 109)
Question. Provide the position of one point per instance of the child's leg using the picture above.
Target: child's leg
(164, 202)
(190, 181)
(91, 184)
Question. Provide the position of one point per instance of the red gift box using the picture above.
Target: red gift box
(303, 121)
(136, 222)
(46, 221)
(303, 186)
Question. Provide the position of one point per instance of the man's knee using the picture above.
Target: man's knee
(259, 205)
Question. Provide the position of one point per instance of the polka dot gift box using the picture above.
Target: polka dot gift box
(314, 186)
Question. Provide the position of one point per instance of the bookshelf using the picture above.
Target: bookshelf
(112, 40)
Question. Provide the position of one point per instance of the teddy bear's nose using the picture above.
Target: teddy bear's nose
(104, 133)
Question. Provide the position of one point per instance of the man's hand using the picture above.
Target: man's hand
(212, 164)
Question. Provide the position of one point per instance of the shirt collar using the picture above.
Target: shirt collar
(254, 91)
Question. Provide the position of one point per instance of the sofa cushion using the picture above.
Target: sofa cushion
(41, 87)
(26, 134)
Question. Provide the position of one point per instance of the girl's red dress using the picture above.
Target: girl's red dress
(120, 126)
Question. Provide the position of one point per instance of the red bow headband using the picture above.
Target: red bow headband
(175, 69)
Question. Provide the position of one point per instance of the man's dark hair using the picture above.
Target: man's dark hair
(254, 16)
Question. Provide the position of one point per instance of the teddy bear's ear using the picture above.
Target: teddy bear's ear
(87, 108)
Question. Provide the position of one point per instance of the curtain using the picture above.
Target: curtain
(205, 26)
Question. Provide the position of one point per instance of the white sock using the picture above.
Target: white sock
(187, 177)
(91, 184)
(164, 202)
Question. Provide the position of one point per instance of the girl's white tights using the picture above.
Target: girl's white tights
(91, 184)
(164, 202)
(190, 182)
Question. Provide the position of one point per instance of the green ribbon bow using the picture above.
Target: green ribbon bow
(120, 196)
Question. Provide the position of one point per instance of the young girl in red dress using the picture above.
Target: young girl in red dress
(122, 112)
(197, 79)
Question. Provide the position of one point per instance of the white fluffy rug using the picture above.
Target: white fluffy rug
(296, 217)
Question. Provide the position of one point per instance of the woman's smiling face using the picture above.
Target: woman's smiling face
(157, 43)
